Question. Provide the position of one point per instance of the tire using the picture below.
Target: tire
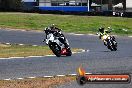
(69, 52)
(108, 45)
(115, 49)
(81, 80)
(54, 47)
(114, 46)
(111, 47)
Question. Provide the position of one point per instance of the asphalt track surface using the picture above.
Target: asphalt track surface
(97, 60)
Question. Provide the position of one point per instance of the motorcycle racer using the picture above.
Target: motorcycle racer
(56, 32)
(102, 33)
(108, 40)
(52, 29)
(57, 41)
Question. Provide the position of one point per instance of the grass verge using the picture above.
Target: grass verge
(69, 23)
(25, 50)
(36, 83)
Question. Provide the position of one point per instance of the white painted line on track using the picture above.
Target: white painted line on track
(82, 51)
(7, 43)
(79, 34)
(26, 57)
(60, 75)
(72, 74)
(82, 34)
(15, 57)
(114, 35)
(77, 52)
(7, 79)
(130, 36)
(92, 34)
(23, 30)
(34, 45)
(48, 76)
(74, 52)
(34, 56)
(31, 77)
(20, 78)
(49, 55)
(22, 57)
(4, 58)
(88, 73)
(21, 44)
(71, 33)
(42, 56)
(12, 58)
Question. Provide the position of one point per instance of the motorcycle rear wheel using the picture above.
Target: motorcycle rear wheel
(69, 52)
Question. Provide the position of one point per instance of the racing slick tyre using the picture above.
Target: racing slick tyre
(114, 45)
(109, 47)
(114, 48)
(69, 52)
(55, 49)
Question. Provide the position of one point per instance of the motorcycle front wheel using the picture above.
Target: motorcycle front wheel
(55, 49)
(112, 47)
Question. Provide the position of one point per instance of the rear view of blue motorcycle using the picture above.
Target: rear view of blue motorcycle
(57, 42)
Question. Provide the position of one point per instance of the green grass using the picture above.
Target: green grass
(18, 51)
(25, 50)
(69, 23)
